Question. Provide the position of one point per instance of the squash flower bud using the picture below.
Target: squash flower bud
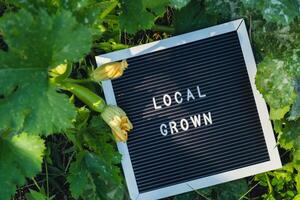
(111, 70)
(119, 123)
(60, 69)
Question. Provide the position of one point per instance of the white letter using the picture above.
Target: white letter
(199, 93)
(166, 96)
(176, 97)
(207, 118)
(196, 120)
(190, 94)
(154, 103)
(172, 125)
(186, 126)
(163, 129)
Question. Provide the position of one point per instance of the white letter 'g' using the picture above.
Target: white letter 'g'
(163, 129)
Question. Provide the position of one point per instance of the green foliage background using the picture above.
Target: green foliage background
(53, 147)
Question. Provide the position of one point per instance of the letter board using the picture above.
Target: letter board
(198, 118)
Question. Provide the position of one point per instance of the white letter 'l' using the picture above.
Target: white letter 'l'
(154, 103)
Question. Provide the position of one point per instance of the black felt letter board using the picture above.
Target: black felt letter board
(230, 138)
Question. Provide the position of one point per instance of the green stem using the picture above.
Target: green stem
(110, 8)
(36, 184)
(163, 28)
(70, 80)
(269, 184)
(87, 96)
(244, 195)
(47, 178)
(69, 161)
(199, 193)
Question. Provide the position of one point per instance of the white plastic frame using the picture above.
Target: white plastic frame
(274, 163)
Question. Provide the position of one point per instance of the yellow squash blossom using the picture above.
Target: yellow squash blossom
(119, 123)
(111, 70)
(60, 69)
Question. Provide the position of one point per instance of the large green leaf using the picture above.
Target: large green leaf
(199, 14)
(289, 136)
(97, 136)
(271, 40)
(80, 180)
(34, 104)
(90, 177)
(137, 15)
(20, 157)
(87, 12)
(195, 15)
(37, 43)
(94, 174)
(42, 40)
(276, 85)
(279, 11)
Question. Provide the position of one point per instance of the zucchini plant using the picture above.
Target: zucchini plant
(57, 139)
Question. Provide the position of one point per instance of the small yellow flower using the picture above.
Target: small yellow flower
(60, 69)
(111, 70)
(119, 123)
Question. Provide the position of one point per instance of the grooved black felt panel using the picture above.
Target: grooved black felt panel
(211, 81)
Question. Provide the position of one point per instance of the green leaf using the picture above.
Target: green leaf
(145, 20)
(87, 12)
(192, 17)
(102, 172)
(280, 42)
(79, 178)
(186, 196)
(295, 110)
(115, 192)
(129, 20)
(290, 135)
(98, 137)
(276, 85)
(297, 197)
(34, 195)
(95, 173)
(178, 4)
(225, 10)
(279, 182)
(94, 135)
(292, 58)
(20, 157)
(96, 164)
(36, 44)
(90, 12)
(279, 11)
(231, 190)
(225, 191)
(277, 114)
(33, 5)
(37, 107)
(297, 180)
(296, 157)
(90, 177)
(42, 40)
